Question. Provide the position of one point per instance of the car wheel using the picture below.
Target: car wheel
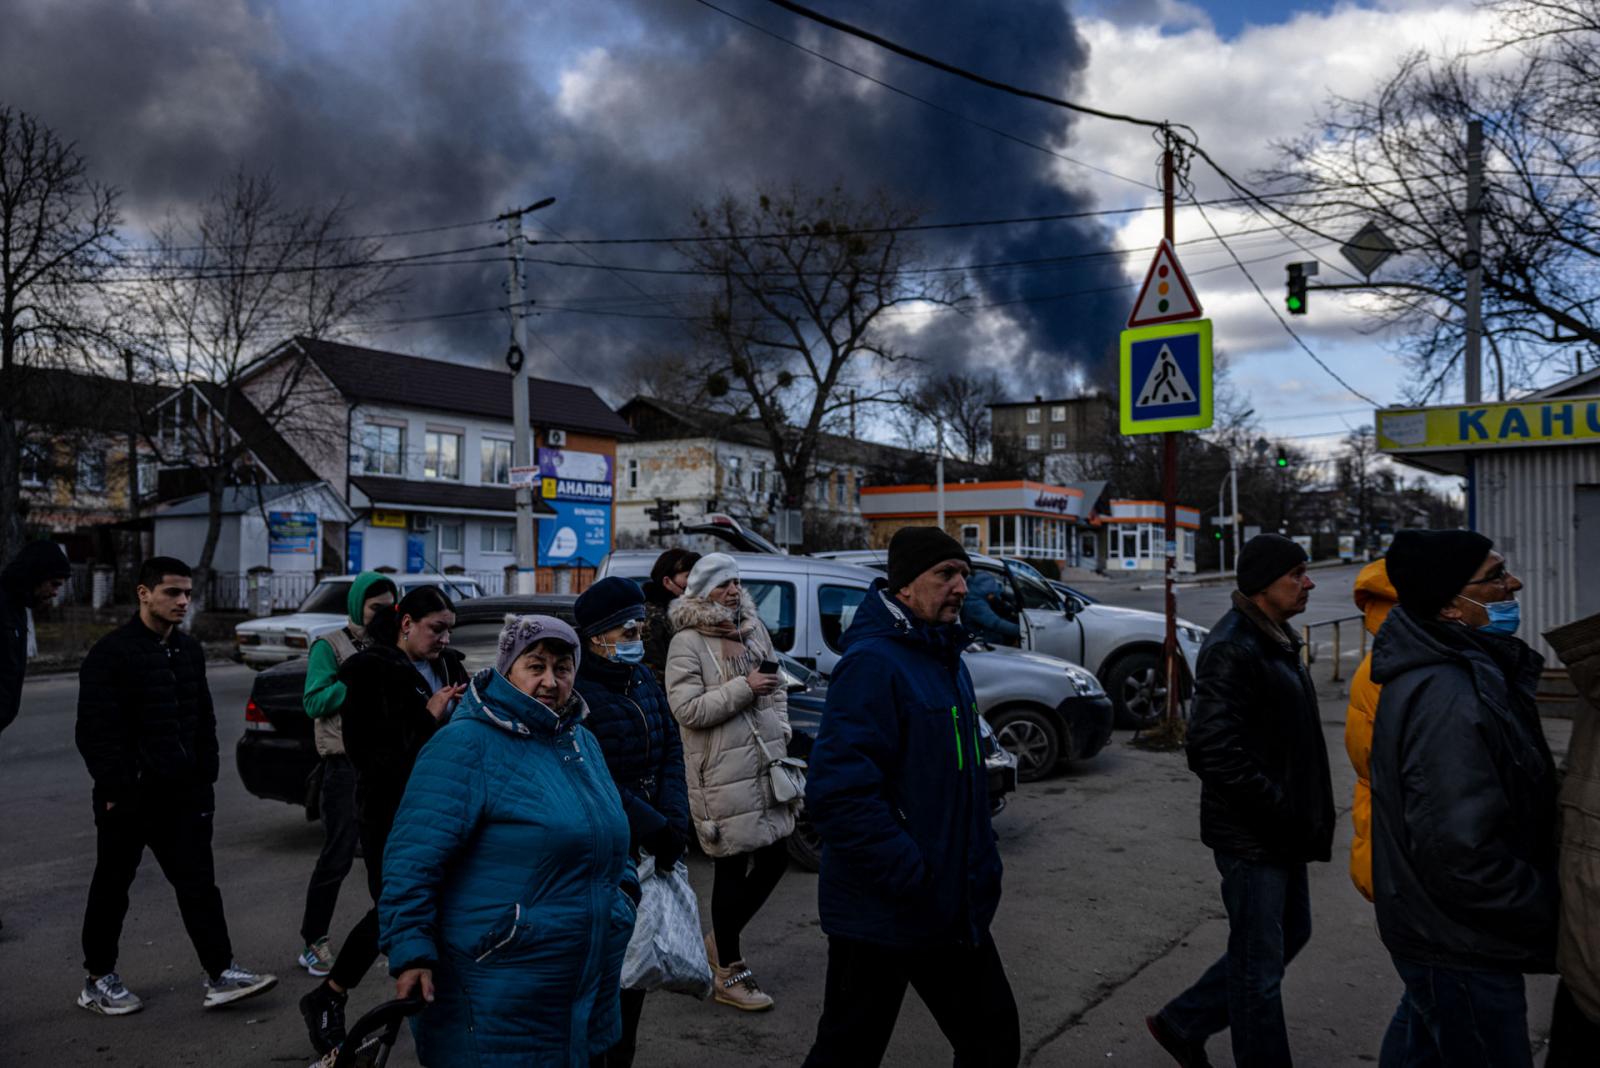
(1138, 690)
(1030, 735)
(805, 847)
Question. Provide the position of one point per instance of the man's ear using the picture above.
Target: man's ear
(1450, 613)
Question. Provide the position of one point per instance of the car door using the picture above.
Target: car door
(1048, 629)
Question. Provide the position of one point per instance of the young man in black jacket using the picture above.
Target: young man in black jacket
(148, 734)
(1463, 806)
(1266, 808)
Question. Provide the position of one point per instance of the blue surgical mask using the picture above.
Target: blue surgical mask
(1504, 616)
(628, 652)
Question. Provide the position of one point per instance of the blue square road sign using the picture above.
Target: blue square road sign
(1166, 377)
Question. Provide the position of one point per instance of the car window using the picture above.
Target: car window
(775, 603)
(328, 598)
(836, 610)
(1035, 593)
(477, 642)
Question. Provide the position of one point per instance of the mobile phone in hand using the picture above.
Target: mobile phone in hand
(768, 667)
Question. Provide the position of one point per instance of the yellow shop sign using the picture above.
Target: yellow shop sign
(388, 519)
(1467, 426)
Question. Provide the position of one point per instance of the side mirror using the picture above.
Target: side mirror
(1070, 607)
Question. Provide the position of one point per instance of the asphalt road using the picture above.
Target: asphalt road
(1110, 907)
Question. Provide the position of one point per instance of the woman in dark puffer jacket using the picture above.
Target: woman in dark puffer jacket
(629, 716)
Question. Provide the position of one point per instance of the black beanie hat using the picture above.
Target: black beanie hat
(913, 550)
(606, 604)
(1265, 559)
(1429, 567)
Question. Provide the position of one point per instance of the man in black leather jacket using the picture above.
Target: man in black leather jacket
(1463, 806)
(1266, 808)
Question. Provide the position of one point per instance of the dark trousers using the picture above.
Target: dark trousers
(965, 990)
(360, 947)
(740, 885)
(1574, 1037)
(339, 837)
(1269, 921)
(178, 832)
(621, 1055)
(1459, 1018)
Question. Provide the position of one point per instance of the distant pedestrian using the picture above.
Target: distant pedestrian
(728, 698)
(508, 899)
(910, 866)
(1374, 595)
(629, 717)
(324, 697)
(31, 580)
(148, 734)
(1463, 806)
(668, 578)
(397, 693)
(1266, 808)
(988, 613)
(1575, 1025)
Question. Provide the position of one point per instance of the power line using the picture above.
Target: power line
(442, 228)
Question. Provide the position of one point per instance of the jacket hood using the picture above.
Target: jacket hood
(35, 563)
(492, 699)
(708, 616)
(880, 616)
(1578, 646)
(356, 599)
(1404, 644)
(1374, 594)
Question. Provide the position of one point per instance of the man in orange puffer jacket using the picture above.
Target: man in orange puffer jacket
(1374, 596)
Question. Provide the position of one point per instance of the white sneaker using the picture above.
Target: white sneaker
(107, 996)
(236, 984)
(317, 958)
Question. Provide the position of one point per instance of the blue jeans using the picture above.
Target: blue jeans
(1269, 921)
(1458, 1018)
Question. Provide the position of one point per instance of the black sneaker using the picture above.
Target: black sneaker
(1185, 1051)
(323, 1011)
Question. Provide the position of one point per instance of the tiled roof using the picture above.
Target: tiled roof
(420, 496)
(259, 435)
(379, 377)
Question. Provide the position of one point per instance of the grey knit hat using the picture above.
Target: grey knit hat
(711, 571)
(521, 632)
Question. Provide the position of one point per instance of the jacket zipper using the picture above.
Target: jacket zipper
(509, 936)
(955, 719)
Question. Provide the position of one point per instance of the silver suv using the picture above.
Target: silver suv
(1044, 709)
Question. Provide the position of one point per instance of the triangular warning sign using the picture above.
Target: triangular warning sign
(1165, 384)
(1166, 295)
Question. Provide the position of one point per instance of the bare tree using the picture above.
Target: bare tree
(801, 284)
(57, 228)
(1398, 158)
(246, 273)
(1357, 477)
(958, 399)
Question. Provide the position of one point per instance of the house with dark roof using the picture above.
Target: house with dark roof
(420, 450)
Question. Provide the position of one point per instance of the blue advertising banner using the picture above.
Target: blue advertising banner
(578, 535)
(416, 554)
(566, 475)
(292, 532)
(352, 550)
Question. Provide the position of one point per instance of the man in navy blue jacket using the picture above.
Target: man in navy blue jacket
(910, 869)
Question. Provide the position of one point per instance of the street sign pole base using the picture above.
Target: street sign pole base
(1165, 737)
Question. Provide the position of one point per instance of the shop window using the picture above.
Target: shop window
(441, 455)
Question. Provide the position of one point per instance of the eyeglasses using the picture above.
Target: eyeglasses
(1498, 577)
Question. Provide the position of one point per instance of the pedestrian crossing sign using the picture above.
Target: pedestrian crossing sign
(1166, 377)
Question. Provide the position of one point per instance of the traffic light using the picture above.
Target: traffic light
(1217, 533)
(1283, 457)
(1296, 300)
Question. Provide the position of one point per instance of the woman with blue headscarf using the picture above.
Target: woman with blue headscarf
(508, 899)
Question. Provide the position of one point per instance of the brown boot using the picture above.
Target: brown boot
(736, 985)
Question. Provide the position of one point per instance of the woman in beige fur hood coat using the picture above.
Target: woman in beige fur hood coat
(722, 701)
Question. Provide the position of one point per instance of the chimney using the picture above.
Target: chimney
(1038, 398)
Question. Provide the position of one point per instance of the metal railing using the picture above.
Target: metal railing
(230, 590)
(1309, 651)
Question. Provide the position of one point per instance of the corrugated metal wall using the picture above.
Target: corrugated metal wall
(1527, 504)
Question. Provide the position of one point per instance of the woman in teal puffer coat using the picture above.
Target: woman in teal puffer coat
(508, 899)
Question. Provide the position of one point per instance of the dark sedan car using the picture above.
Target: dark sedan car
(277, 756)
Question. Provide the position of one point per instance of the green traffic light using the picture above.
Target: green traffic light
(1294, 304)
(1282, 462)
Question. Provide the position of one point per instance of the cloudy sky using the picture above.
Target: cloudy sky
(425, 114)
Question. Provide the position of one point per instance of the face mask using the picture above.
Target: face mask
(1504, 616)
(628, 652)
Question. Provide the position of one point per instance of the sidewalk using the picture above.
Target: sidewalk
(1338, 994)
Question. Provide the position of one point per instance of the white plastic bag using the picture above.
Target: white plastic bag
(667, 951)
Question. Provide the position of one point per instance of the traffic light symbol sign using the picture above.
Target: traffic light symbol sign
(1166, 296)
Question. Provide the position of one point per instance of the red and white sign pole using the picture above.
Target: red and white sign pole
(1169, 479)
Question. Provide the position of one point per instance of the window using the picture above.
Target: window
(732, 469)
(1088, 547)
(1058, 441)
(1032, 442)
(1035, 594)
(821, 486)
(775, 605)
(497, 538)
(450, 537)
(35, 466)
(496, 470)
(633, 474)
(383, 449)
(92, 471)
(840, 488)
(836, 610)
(758, 478)
(1058, 413)
(969, 538)
(1033, 416)
(441, 455)
(147, 477)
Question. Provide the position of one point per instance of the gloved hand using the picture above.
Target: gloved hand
(666, 846)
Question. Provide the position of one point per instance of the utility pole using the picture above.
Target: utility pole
(938, 472)
(1169, 476)
(1474, 263)
(522, 429)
